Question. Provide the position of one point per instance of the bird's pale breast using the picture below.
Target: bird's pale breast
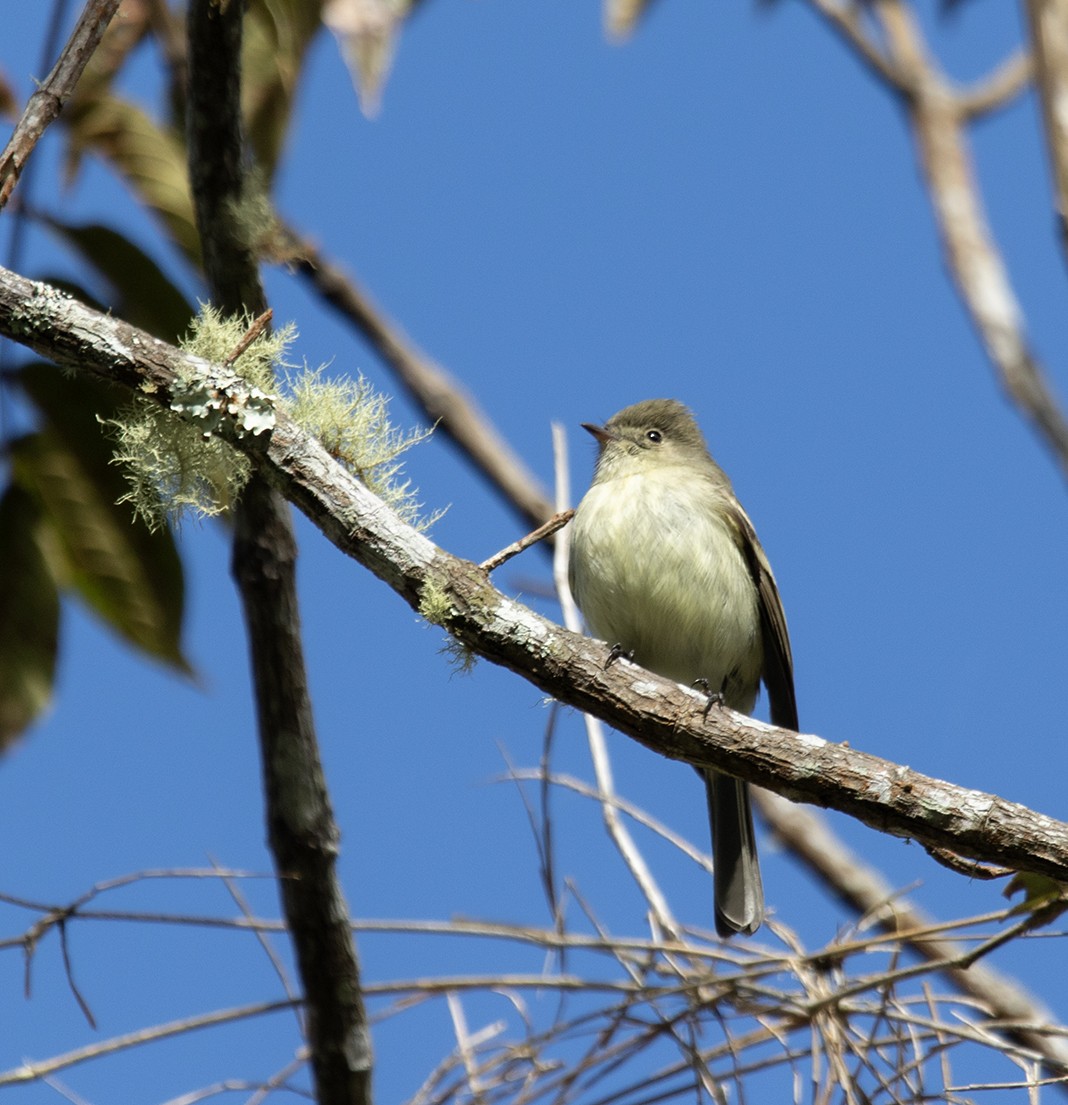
(660, 573)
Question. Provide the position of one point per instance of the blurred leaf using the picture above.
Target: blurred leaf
(127, 574)
(367, 32)
(147, 297)
(621, 16)
(1040, 892)
(29, 616)
(150, 159)
(276, 39)
(9, 105)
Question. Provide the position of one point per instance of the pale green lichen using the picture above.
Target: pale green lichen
(437, 607)
(351, 420)
(435, 604)
(177, 462)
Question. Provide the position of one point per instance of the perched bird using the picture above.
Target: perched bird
(666, 564)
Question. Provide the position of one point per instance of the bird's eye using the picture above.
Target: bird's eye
(655, 436)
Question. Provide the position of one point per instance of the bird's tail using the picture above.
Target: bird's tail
(739, 892)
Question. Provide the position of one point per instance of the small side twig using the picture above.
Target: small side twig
(256, 328)
(556, 522)
(969, 868)
(68, 968)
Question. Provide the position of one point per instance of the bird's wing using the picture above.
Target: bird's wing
(778, 660)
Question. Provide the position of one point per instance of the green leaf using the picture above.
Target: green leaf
(277, 35)
(29, 616)
(146, 296)
(1039, 892)
(131, 577)
(149, 157)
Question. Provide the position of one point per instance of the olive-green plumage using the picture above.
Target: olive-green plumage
(666, 564)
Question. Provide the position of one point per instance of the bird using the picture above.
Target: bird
(665, 566)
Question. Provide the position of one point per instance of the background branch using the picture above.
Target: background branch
(301, 829)
(1048, 24)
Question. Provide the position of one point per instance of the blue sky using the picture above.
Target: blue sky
(725, 210)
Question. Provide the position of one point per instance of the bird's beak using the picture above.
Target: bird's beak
(603, 435)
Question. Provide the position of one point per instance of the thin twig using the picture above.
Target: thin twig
(256, 328)
(47, 102)
(557, 521)
(1009, 80)
(32, 1071)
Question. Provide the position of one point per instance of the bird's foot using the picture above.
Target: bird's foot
(616, 652)
(715, 698)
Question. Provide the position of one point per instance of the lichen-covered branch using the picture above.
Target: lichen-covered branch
(659, 714)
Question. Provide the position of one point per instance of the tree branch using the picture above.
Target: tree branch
(301, 829)
(809, 837)
(47, 102)
(661, 715)
(972, 256)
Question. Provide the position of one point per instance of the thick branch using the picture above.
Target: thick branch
(301, 829)
(661, 715)
(47, 102)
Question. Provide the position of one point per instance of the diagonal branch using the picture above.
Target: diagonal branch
(670, 719)
(939, 122)
(47, 102)
(939, 115)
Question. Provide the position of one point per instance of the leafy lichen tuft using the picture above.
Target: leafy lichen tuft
(178, 462)
(436, 606)
(351, 420)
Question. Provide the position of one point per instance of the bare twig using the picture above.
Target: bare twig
(1009, 80)
(556, 522)
(33, 1071)
(811, 840)
(847, 19)
(967, 867)
(47, 102)
(256, 328)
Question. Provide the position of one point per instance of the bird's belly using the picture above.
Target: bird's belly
(671, 585)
